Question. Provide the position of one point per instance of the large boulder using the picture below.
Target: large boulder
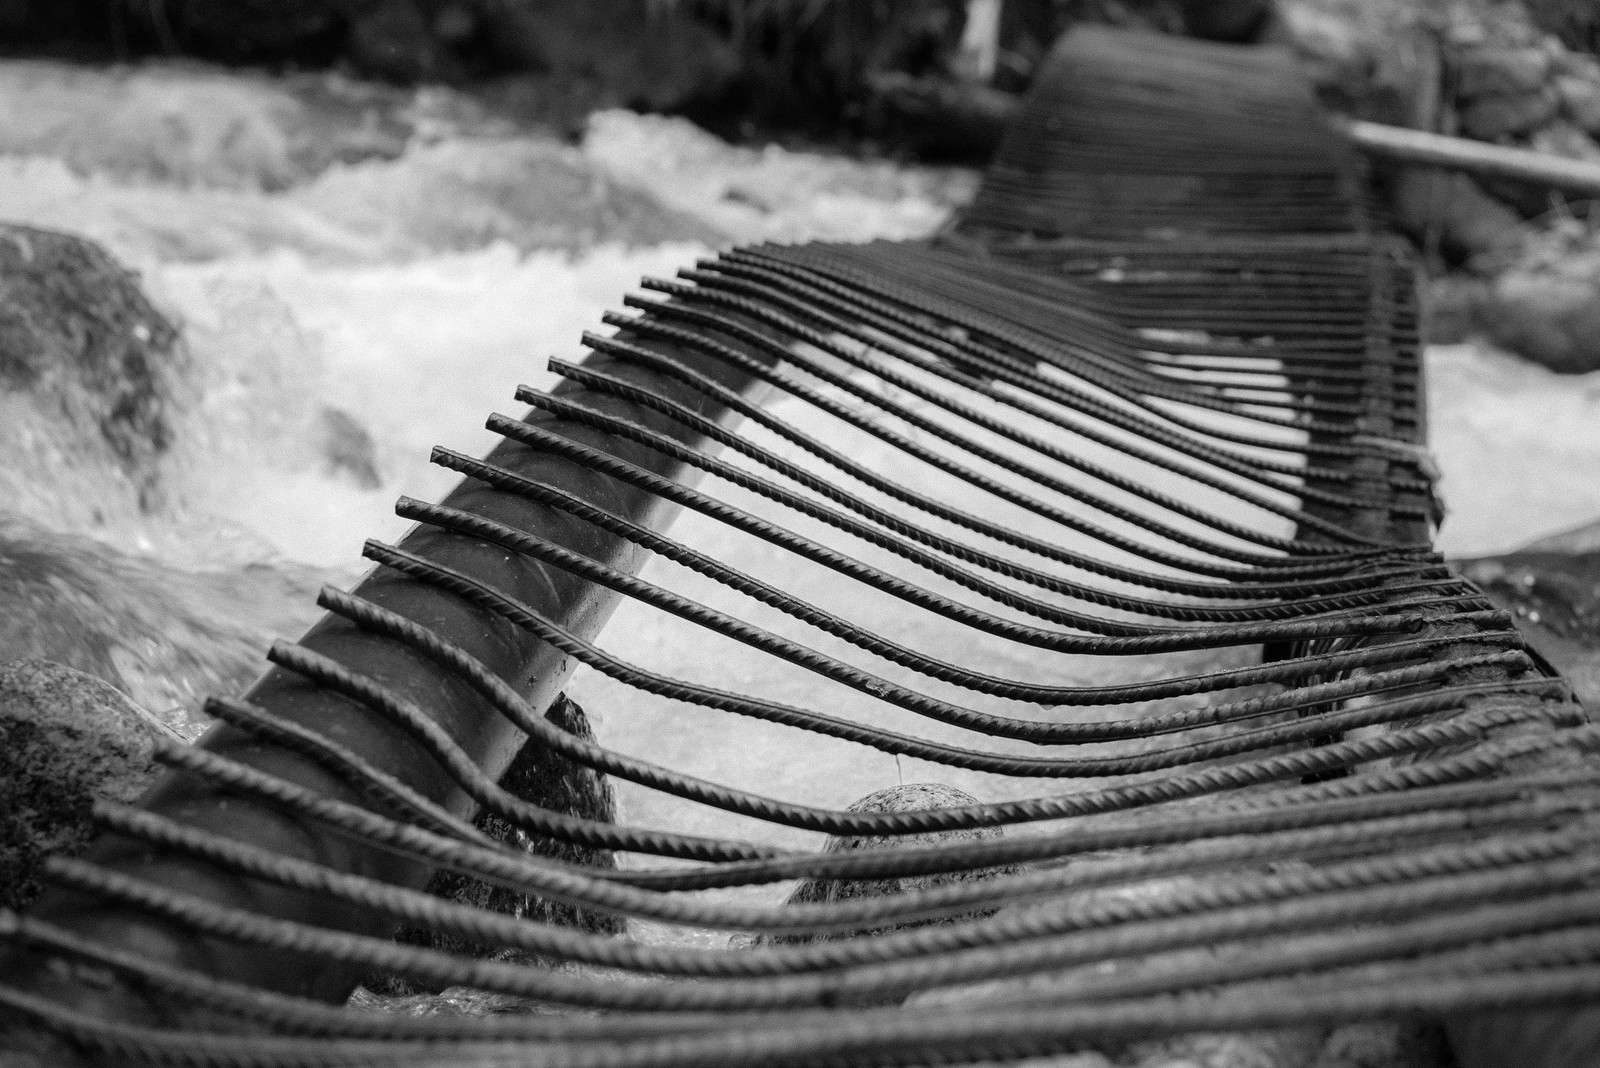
(87, 369)
(67, 739)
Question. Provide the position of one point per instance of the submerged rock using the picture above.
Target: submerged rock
(67, 739)
(906, 798)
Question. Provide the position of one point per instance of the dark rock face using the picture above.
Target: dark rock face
(551, 780)
(82, 346)
(544, 778)
(906, 798)
(67, 739)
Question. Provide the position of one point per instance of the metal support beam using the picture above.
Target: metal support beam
(537, 670)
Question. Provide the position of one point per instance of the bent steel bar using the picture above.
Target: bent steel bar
(535, 669)
(1073, 429)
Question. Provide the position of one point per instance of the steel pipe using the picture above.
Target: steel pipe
(1422, 149)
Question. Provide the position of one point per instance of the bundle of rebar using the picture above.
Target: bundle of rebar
(1111, 504)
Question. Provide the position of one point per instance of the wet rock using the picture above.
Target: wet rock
(86, 362)
(905, 798)
(1490, 71)
(165, 636)
(1490, 118)
(67, 739)
(452, 1001)
(1552, 320)
(550, 780)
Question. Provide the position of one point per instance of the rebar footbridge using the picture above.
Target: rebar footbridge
(1110, 505)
